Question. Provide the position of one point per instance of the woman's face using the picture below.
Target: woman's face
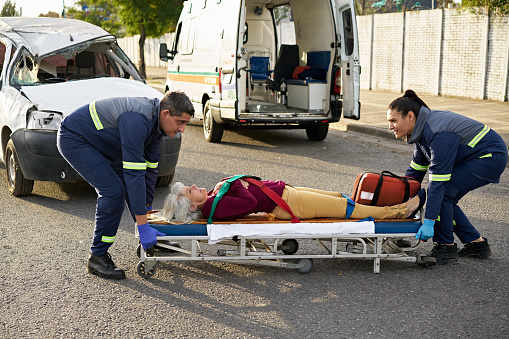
(196, 195)
(399, 125)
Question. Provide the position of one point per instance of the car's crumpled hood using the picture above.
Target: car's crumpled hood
(67, 96)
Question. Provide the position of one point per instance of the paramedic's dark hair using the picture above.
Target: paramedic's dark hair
(408, 102)
(177, 103)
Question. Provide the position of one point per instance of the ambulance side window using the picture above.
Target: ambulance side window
(348, 29)
(187, 36)
(175, 46)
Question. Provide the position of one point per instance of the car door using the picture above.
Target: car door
(346, 24)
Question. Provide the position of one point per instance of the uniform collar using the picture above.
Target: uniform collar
(419, 125)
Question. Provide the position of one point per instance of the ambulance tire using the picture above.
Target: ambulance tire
(317, 132)
(212, 130)
(18, 185)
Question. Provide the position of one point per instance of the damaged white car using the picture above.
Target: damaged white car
(49, 68)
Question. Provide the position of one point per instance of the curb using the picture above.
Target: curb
(365, 129)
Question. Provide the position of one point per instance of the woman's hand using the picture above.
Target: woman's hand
(218, 187)
(244, 183)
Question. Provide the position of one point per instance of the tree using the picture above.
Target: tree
(100, 13)
(497, 7)
(9, 9)
(50, 14)
(149, 18)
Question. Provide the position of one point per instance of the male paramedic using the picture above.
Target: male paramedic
(114, 145)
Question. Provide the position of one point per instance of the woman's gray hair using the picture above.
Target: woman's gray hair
(177, 208)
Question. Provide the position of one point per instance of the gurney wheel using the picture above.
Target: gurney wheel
(308, 265)
(149, 252)
(141, 269)
(289, 246)
(426, 261)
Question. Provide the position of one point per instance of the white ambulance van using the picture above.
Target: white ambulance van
(266, 63)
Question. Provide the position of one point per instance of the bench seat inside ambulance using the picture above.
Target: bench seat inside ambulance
(310, 94)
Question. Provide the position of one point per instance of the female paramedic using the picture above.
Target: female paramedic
(187, 203)
(114, 145)
(461, 154)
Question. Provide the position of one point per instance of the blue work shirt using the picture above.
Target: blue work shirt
(444, 140)
(125, 130)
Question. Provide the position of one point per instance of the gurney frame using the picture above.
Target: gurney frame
(279, 252)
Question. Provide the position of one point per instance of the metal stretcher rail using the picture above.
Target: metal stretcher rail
(389, 242)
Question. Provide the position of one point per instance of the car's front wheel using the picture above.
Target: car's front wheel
(18, 185)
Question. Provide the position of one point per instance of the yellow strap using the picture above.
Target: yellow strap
(479, 136)
(439, 177)
(152, 164)
(108, 239)
(134, 165)
(95, 117)
(418, 167)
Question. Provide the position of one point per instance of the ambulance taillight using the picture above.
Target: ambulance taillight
(220, 85)
(337, 82)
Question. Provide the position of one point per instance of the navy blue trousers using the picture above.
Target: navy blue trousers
(107, 179)
(464, 179)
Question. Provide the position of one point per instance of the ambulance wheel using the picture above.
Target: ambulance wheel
(317, 132)
(18, 185)
(289, 246)
(149, 252)
(164, 180)
(308, 265)
(212, 130)
(142, 271)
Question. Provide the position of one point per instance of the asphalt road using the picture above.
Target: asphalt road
(45, 291)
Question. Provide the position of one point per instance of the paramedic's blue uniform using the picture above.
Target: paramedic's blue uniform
(114, 145)
(461, 154)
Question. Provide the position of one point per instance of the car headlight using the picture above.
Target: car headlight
(44, 120)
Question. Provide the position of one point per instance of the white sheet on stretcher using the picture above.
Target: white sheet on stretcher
(217, 232)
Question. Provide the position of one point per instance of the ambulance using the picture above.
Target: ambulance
(291, 64)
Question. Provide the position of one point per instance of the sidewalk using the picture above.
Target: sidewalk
(374, 104)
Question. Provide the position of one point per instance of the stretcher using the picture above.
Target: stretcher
(260, 239)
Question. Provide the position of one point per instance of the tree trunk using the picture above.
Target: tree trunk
(143, 36)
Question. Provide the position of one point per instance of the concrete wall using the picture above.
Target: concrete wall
(439, 52)
(131, 47)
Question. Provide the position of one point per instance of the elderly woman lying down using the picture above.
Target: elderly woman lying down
(189, 203)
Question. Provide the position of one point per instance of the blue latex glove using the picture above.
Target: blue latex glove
(148, 235)
(426, 230)
(149, 208)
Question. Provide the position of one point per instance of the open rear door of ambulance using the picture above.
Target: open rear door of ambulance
(346, 25)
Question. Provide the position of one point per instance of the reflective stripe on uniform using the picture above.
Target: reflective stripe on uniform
(489, 155)
(439, 177)
(151, 164)
(108, 239)
(453, 222)
(418, 167)
(95, 117)
(134, 165)
(479, 136)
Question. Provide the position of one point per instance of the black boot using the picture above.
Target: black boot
(479, 250)
(444, 253)
(104, 267)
